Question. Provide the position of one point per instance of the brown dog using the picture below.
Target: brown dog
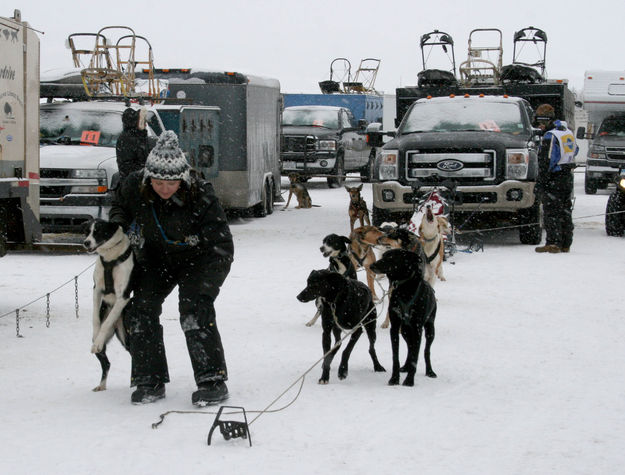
(300, 191)
(363, 239)
(357, 207)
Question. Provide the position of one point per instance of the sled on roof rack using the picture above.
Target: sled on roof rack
(342, 82)
(484, 60)
(521, 69)
(108, 67)
(428, 44)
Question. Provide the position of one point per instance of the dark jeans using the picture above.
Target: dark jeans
(198, 284)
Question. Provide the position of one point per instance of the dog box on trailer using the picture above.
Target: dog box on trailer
(19, 134)
(197, 128)
(248, 173)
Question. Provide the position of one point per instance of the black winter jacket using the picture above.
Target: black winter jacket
(193, 225)
(132, 147)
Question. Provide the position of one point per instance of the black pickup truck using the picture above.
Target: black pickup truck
(484, 145)
(326, 141)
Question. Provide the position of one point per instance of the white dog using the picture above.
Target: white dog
(432, 231)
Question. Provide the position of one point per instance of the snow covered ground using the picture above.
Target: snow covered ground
(529, 354)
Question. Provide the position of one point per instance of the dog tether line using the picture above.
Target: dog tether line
(300, 379)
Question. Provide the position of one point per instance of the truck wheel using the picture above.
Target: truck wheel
(590, 187)
(337, 180)
(615, 223)
(366, 173)
(532, 232)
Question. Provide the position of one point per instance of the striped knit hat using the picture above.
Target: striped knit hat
(167, 161)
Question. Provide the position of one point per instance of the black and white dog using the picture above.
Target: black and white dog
(334, 247)
(412, 308)
(112, 286)
(347, 304)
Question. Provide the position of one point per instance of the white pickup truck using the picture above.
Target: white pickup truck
(78, 165)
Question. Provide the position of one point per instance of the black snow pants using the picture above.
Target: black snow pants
(558, 210)
(198, 285)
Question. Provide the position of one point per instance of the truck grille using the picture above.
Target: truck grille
(46, 191)
(474, 166)
(615, 153)
(298, 143)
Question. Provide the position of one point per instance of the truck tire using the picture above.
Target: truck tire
(338, 179)
(366, 173)
(615, 223)
(532, 231)
(269, 195)
(590, 187)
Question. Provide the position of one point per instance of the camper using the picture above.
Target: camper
(604, 102)
(19, 144)
(242, 162)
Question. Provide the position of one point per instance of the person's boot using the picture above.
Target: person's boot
(565, 249)
(147, 393)
(551, 248)
(208, 393)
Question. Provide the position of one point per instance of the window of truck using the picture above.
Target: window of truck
(311, 118)
(69, 126)
(459, 116)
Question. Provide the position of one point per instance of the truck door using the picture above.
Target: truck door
(199, 138)
(354, 142)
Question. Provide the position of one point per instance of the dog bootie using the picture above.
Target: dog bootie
(147, 393)
(209, 393)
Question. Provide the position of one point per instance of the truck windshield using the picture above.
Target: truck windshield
(101, 128)
(614, 126)
(457, 116)
(311, 118)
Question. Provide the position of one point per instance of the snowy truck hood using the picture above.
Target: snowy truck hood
(77, 156)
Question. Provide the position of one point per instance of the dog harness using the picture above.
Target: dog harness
(436, 251)
(109, 287)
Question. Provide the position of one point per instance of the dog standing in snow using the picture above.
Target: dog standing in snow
(112, 285)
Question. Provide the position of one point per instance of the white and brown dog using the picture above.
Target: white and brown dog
(432, 231)
(112, 285)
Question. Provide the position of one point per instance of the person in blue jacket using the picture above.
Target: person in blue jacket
(556, 161)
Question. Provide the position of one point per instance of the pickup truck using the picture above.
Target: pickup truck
(78, 164)
(326, 141)
(484, 145)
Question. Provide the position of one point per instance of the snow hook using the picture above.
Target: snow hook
(231, 429)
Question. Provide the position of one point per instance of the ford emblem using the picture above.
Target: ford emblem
(450, 165)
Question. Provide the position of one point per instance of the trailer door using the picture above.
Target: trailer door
(199, 138)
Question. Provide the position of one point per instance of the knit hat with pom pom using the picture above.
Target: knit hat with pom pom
(166, 161)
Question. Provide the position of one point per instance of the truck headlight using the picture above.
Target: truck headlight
(517, 164)
(388, 165)
(596, 151)
(327, 145)
(89, 181)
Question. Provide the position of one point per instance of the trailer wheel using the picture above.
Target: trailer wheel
(337, 180)
(265, 206)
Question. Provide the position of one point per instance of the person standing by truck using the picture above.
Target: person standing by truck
(554, 185)
(132, 145)
(186, 242)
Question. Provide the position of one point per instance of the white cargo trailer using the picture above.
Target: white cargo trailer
(19, 132)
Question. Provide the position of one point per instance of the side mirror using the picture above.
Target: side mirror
(362, 123)
(581, 132)
(374, 127)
